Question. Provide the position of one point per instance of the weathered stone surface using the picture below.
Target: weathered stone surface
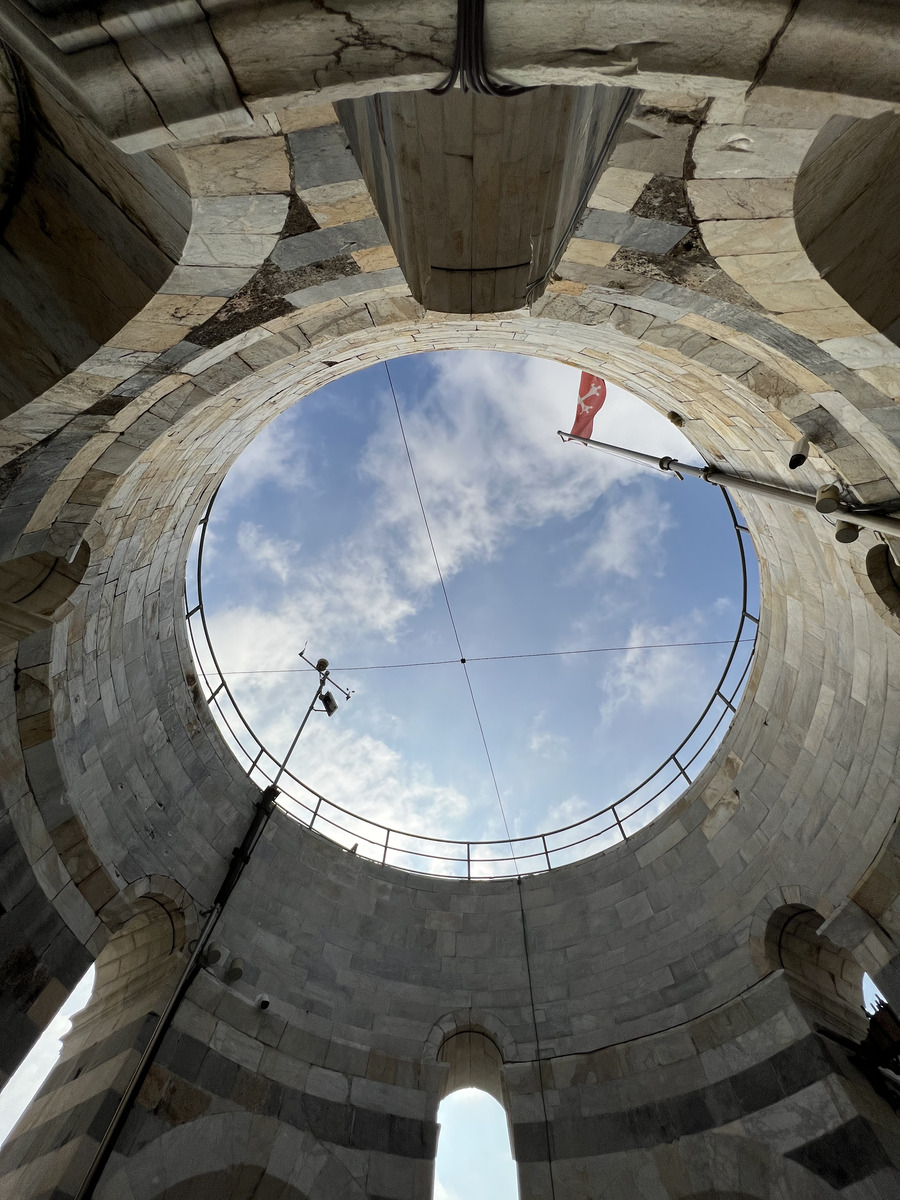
(672, 987)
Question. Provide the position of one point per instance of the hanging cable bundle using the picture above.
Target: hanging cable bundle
(468, 58)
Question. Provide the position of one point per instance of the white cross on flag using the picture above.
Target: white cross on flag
(591, 394)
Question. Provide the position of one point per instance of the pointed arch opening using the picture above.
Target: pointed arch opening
(474, 1155)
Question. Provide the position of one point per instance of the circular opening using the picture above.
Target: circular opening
(544, 645)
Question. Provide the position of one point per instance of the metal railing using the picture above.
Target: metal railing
(501, 857)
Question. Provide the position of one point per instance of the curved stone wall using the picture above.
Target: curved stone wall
(647, 1043)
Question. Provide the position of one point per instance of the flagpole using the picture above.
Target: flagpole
(735, 483)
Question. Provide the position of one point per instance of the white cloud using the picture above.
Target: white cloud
(372, 779)
(277, 455)
(546, 742)
(568, 811)
(630, 539)
(488, 463)
(648, 679)
(278, 555)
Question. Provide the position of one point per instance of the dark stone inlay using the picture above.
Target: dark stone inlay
(108, 406)
(91, 1117)
(299, 219)
(844, 1156)
(649, 1125)
(328, 1120)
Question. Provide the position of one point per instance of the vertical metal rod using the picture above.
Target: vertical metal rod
(323, 678)
(239, 859)
(387, 838)
(681, 768)
(615, 813)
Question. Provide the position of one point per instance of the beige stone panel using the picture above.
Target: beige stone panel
(772, 236)
(251, 166)
(279, 324)
(312, 117)
(735, 199)
(767, 269)
(393, 309)
(375, 258)
(792, 297)
(618, 188)
(354, 208)
(331, 193)
(165, 321)
(566, 287)
(589, 253)
(886, 379)
(819, 324)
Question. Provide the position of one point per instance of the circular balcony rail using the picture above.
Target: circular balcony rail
(500, 858)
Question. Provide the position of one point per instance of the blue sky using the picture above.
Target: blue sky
(317, 537)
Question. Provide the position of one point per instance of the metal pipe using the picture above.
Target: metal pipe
(323, 679)
(239, 858)
(735, 483)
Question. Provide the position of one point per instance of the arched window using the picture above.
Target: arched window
(474, 1154)
(872, 994)
(24, 1084)
(474, 1158)
(824, 980)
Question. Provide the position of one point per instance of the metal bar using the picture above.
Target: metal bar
(387, 838)
(724, 699)
(680, 767)
(546, 851)
(615, 813)
(240, 857)
(735, 483)
(212, 695)
(323, 679)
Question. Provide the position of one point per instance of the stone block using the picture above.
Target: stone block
(591, 253)
(346, 286)
(637, 233)
(618, 188)
(749, 152)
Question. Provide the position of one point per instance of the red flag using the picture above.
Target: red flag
(591, 394)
